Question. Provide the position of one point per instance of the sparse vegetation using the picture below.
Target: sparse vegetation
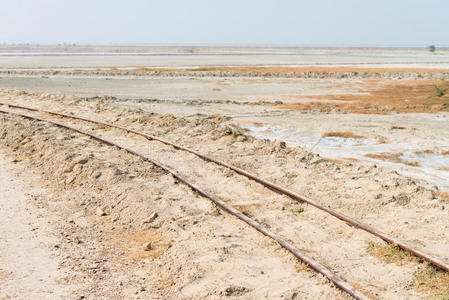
(433, 282)
(237, 134)
(429, 279)
(343, 134)
(390, 253)
(398, 127)
(440, 91)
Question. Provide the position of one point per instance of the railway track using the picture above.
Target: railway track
(339, 282)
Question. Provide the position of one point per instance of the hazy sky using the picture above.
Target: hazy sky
(227, 22)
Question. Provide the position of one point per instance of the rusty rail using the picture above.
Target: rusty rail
(348, 220)
(339, 282)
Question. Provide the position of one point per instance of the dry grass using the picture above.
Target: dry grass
(343, 134)
(411, 163)
(390, 253)
(384, 156)
(216, 89)
(429, 151)
(365, 291)
(380, 97)
(398, 127)
(429, 280)
(433, 282)
(395, 157)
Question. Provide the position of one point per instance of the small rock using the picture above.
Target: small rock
(236, 291)
(100, 212)
(401, 199)
(70, 180)
(241, 138)
(147, 246)
(83, 161)
(152, 217)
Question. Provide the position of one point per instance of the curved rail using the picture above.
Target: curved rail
(348, 220)
(339, 282)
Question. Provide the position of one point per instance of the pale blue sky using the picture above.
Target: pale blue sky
(227, 22)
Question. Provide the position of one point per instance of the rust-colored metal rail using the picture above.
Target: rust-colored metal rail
(348, 220)
(339, 282)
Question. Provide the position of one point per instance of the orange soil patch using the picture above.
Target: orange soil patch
(407, 96)
(442, 194)
(429, 151)
(384, 156)
(445, 152)
(142, 69)
(134, 244)
(343, 134)
(224, 83)
(256, 123)
(216, 89)
(412, 164)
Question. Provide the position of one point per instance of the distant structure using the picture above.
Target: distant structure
(191, 51)
(432, 48)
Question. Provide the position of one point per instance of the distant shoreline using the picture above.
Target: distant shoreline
(176, 50)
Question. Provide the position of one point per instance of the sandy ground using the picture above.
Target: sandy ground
(28, 268)
(379, 197)
(110, 226)
(256, 101)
